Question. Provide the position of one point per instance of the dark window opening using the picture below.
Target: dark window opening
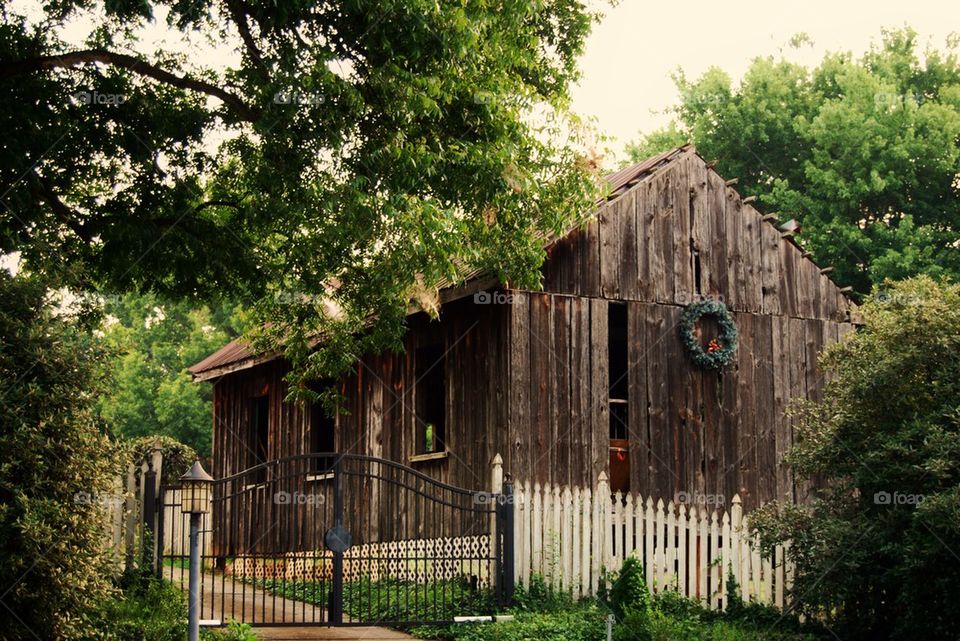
(431, 397)
(617, 348)
(322, 438)
(618, 362)
(260, 424)
(697, 273)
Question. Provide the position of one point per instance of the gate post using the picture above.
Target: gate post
(193, 604)
(150, 482)
(508, 572)
(148, 543)
(496, 489)
(336, 595)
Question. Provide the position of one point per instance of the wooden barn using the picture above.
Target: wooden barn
(590, 374)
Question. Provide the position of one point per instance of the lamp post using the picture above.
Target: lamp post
(195, 488)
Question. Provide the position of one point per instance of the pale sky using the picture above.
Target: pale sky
(631, 54)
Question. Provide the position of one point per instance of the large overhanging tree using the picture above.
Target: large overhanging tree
(865, 152)
(331, 161)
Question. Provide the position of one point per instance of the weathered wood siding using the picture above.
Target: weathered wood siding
(678, 236)
(376, 419)
(691, 430)
(379, 418)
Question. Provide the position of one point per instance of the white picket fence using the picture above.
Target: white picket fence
(571, 535)
(123, 514)
(123, 508)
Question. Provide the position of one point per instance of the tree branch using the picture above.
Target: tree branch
(141, 67)
(239, 16)
(215, 203)
(68, 216)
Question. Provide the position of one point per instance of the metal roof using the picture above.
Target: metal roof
(237, 355)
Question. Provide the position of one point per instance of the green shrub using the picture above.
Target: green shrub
(628, 591)
(177, 456)
(147, 609)
(235, 631)
(540, 597)
(663, 627)
(753, 613)
(57, 468)
(673, 604)
(578, 624)
(875, 552)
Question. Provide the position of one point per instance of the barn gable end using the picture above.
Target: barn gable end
(671, 234)
(681, 233)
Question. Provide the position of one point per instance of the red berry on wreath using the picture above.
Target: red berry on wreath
(713, 346)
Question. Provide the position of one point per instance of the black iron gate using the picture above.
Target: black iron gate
(343, 539)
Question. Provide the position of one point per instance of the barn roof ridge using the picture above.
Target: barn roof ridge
(237, 355)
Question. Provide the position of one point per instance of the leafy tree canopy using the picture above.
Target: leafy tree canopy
(153, 342)
(864, 152)
(341, 159)
(876, 552)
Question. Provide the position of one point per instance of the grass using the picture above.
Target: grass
(177, 562)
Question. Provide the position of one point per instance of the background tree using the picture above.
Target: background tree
(877, 552)
(153, 342)
(57, 467)
(368, 152)
(864, 152)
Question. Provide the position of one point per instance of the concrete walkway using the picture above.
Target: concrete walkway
(224, 599)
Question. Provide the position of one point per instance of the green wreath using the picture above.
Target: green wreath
(720, 351)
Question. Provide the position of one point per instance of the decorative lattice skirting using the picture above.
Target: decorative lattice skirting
(419, 561)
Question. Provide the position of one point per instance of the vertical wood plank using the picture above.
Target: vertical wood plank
(648, 266)
(789, 295)
(769, 240)
(657, 400)
(682, 557)
(629, 260)
(704, 559)
(722, 279)
(683, 285)
(608, 220)
(701, 229)
(560, 391)
(599, 387)
(648, 538)
(641, 442)
(576, 571)
(536, 531)
(692, 554)
(662, 275)
(589, 258)
(518, 454)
